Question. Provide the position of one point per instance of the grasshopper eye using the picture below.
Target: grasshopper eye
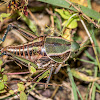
(57, 49)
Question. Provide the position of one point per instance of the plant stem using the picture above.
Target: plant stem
(95, 52)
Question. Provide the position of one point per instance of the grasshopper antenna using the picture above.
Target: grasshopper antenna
(8, 29)
(27, 35)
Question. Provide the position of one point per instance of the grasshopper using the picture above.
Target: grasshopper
(43, 51)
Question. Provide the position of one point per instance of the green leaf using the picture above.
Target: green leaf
(5, 78)
(3, 91)
(21, 87)
(83, 77)
(1, 62)
(62, 3)
(2, 85)
(32, 69)
(23, 96)
(11, 92)
(2, 69)
(71, 24)
(58, 24)
(3, 15)
(91, 13)
(64, 14)
(88, 71)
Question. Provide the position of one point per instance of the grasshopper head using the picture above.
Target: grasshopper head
(74, 46)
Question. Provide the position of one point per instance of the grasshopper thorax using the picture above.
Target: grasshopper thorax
(57, 48)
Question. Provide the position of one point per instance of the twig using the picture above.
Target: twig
(36, 94)
(33, 17)
(5, 2)
(7, 94)
(55, 91)
(90, 94)
(40, 97)
(41, 83)
(52, 22)
(53, 14)
(17, 73)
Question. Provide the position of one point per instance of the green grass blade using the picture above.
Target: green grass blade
(91, 62)
(91, 13)
(94, 39)
(89, 56)
(72, 83)
(88, 89)
(94, 87)
(60, 3)
(97, 85)
(79, 94)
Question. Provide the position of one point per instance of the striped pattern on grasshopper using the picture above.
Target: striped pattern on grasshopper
(42, 50)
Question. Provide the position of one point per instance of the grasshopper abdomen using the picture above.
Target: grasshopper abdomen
(32, 51)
